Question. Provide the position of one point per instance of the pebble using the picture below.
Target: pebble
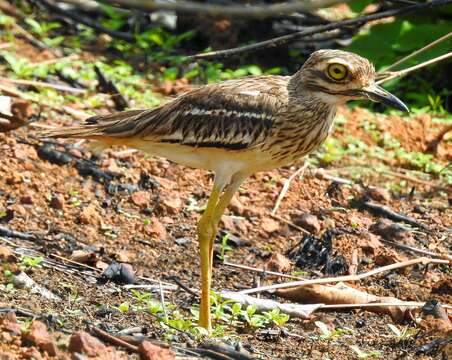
(57, 202)
(149, 351)
(309, 222)
(269, 225)
(141, 198)
(39, 336)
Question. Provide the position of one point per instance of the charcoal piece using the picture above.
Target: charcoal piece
(147, 182)
(335, 266)
(47, 152)
(118, 273)
(85, 168)
(315, 253)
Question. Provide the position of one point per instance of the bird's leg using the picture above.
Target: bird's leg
(223, 203)
(206, 231)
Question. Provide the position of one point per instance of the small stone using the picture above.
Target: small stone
(236, 206)
(379, 194)
(33, 354)
(39, 336)
(308, 222)
(6, 337)
(269, 225)
(141, 198)
(57, 202)
(156, 229)
(26, 200)
(172, 204)
(84, 257)
(10, 323)
(85, 344)
(279, 263)
(391, 231)
(149, 351)
(14, 178)
(89, 215)
(6, 255)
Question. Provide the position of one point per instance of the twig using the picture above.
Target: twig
(422, 260)
(395, 74)
(416, 250)
(44, 84)
(4, 231)
(382, 210)
(85, 21)
(263, 271)
(407, 177)
(254, 11)
(183, 286)
(109, 87)
(114, 339)
(419, 51)
(291, 224)
(374, 304)
(287, 184)
(286, 39)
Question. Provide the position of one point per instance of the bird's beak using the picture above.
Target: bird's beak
(378, 94)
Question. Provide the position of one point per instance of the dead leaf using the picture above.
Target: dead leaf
(342, 294)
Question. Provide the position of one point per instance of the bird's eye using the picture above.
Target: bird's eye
(337, 71)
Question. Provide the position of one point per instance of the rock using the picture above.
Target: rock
(83, 343)
(6, 254)
(172, 204)
(39, 336)
(141, 198)
(26, 200)
(14, 178)
(5, 337)
(84, 257)
(149, 351)
(308, 222)
(391, 231)
(236, 206)
(156, 229)
(269, 225)
(57, 202)
(379, 194)
(10, 324)
(90, 216)
(33, 354)
(370, 243)
(279, 263)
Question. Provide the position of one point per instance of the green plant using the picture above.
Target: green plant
(401, 335)
(327, 334)
(27, 262)
(224, 246)
(364, 355)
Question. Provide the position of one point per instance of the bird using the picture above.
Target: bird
(240, 127)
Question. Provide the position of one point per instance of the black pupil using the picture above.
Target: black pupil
(337, 71)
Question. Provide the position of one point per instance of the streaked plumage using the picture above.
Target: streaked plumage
(239, 127)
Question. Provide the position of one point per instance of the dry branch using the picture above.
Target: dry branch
(422, 260)
(250, 11)
(286, 39)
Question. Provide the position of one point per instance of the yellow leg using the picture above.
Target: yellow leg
(205, 234)
(207, 230)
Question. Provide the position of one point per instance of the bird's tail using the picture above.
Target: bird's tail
(98, 127)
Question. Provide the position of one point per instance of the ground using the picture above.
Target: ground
(137, 210)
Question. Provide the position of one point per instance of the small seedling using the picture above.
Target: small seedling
(328, 334)
(27, 262)
(364, 355)
(403, 335)
(224, 246)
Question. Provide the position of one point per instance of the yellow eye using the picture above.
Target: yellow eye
(337, 71)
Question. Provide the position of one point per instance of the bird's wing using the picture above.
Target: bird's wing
(235, 114)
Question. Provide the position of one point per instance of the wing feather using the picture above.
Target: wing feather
(234, 114)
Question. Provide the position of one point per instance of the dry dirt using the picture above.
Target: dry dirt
(151, 224)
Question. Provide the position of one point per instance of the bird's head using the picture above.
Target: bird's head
(335, 77)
